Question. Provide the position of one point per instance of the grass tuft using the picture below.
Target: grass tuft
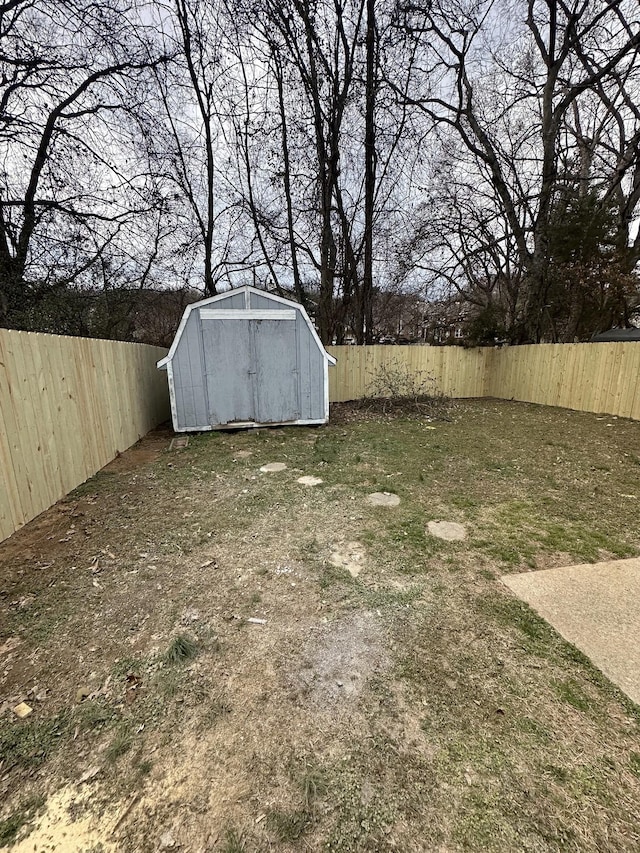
(314, 785)
(289, 826)
(121, 743)
(233, 842)
(181, 649)
(94, 714)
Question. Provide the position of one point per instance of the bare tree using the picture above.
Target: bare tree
(334, 171)
(510, 106)
(71, 182)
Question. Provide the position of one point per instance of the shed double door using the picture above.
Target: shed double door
(251, 370)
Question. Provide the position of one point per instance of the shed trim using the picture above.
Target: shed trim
(252, 425)
(247, 289)
(246, 314)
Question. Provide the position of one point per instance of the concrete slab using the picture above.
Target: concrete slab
(597, 608)
(179, 442)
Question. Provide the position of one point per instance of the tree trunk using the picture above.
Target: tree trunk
(364, 329)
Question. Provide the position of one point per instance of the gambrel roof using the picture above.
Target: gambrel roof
(242, 313)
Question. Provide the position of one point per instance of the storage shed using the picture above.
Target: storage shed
(246, 358)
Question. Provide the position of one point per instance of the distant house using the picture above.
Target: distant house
(446, 321)
(398, 318)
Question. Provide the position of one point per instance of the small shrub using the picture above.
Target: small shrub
(395, 388)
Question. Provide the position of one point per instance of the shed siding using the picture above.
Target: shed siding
(227, 362)
(310, 362)
(257, 300)
(276, 378)
(311, 365)
(234, 300)
(188, 377)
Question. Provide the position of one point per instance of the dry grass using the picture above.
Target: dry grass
(416, 707)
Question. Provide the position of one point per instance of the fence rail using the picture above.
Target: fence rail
(67, 407)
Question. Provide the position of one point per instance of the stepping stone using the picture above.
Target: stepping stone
(310, 481)
(273, 467)
(450, 531)
(244, 454)
(383, 499)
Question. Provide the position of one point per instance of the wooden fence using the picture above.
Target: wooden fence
(588, 377)
(67, 407)
(456, 372)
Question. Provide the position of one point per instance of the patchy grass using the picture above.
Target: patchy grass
(418, 705)
(29, 743)
(121, 743)
(289, 826)
(12, 825)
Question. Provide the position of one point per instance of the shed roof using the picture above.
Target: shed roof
(247, 289)
(616, 335)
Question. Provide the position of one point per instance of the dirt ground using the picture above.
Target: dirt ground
(219, 659)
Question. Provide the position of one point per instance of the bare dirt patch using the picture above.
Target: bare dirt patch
(143, 453)
(350, 556)
(68, 824)
(339, 658)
